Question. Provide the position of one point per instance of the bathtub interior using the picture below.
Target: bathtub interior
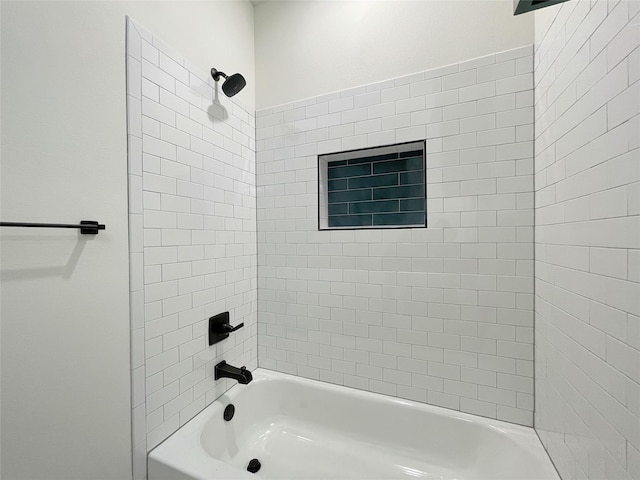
(304, 429)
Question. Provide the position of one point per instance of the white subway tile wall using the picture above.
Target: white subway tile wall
(587, 183)
(192, 234)
(444, 314)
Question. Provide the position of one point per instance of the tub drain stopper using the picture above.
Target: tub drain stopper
(254, 465)
(229, 411)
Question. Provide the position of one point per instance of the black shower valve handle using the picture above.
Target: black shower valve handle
(220, 327)
(227, 328)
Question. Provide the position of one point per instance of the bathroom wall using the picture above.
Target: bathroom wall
(587, 179)
(65, 320)
(310, 48)
(192, 236)
(443, 314)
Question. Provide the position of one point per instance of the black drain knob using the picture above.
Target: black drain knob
(254, 465)
(229, 411)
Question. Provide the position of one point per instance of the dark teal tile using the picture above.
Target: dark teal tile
(337, 185)
(403, 165)
(407, 191)
(349, 171)
(398, 219)
(374, 181)
(338, 208)
(337, 163)
(412, 205)
(373, 158)
(350, 196)
(410, 178)
(373, 207)
(350, 221)
(413, 153)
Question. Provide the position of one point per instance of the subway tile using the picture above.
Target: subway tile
(477, 123)
(149, 52)
(426, 87)
(509, 118)
(395, 93)
(410, 105)
(349, 171)
(408, 178)
(154, 74)
(477, 62)
(497, 71)
(458, 80)
(497, 136)
(410, 218)
(400, 165)
(350, 220)
(406, 191)
(477, 92)
(396, 121)
(624, 106)
(158, 112)
(498, 103)
(442, 99)
(443, 129)
(381, 110)
(409, 134)
(460, 110)
(350, 196)
(426, 116)
(459, 142)
(374, 207)
(517, 83)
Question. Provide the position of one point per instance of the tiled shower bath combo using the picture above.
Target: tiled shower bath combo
(378, 245)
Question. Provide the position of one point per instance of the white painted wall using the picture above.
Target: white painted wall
(0, 259)
(65, 320)
(304, 49)
(587, 231)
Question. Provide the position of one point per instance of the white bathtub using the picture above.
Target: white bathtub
(304, 429)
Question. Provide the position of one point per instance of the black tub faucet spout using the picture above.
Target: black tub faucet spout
(224, 370)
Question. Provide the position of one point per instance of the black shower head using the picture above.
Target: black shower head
(232, 84)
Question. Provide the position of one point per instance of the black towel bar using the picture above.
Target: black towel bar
(87, 227)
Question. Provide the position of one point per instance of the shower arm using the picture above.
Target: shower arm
(216, 74)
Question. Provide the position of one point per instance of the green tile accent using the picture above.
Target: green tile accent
(374, 181)
(403, 165)
(413, 153)
(350, 196)
(410, 178)
(337, 185)
(378, 190)
(338, 208)
(399, 219)
(373, 207)
(374, 158)
(350, 221)
(349, 171)
(408, 191)
(413, 205)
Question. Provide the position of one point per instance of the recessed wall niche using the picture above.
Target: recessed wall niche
(380, 187)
